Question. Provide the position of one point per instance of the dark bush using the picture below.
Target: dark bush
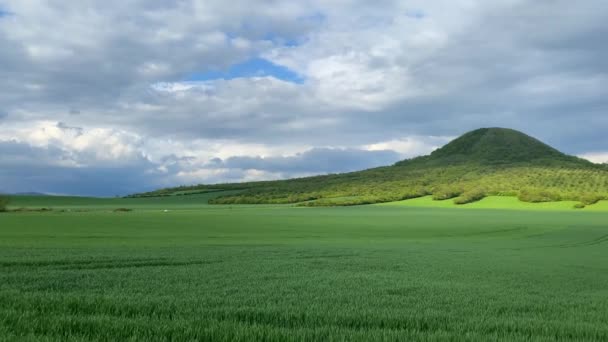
(4, 201)
(445, 193)
(414, 193)
(470, 196)
(589, 199)
(538, 196)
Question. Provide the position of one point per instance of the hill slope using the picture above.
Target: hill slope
(498, 146)
(487, 161)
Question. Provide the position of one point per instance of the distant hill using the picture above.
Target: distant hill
(30, 194)
(487, 161)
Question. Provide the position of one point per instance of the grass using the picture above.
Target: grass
(377, 272)
(492, 202)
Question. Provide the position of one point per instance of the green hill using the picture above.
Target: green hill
(498, 146)
(484, 162)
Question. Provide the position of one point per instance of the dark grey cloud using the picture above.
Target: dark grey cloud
(92, 181)
(78, 131)
(24, 168)
(317, 160)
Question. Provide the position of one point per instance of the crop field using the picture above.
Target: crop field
(176, 269)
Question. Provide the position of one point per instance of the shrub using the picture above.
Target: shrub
(579, 206)
(4, 200)
(332, 202)
(414, 193)
(511, 193)
(589, 199)
(538, 196)
(470, 196)
(444, 193)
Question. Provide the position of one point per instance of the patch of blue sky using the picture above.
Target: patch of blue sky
(276, 38)
(282, 41)
(254, 67)
(416, 14)
(5, 13)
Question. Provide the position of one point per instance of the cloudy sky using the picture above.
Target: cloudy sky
(113, 97)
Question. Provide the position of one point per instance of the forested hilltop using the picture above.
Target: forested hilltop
(487, 161)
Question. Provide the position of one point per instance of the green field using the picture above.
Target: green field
(378, 272)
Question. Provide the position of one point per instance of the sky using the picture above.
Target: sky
(115, 97)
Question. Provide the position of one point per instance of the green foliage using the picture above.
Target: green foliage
(589, 199)
(470, 196)
(511, 193)
(538, 196)
(179, 191)
(4, 201)
(333, 202)
(579, 206)
(447, 192)
(371, 273)
(497, 146)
